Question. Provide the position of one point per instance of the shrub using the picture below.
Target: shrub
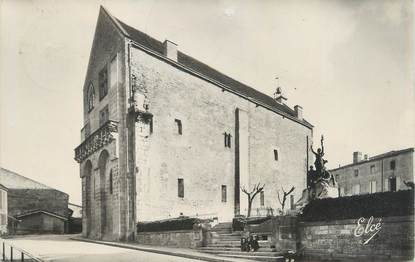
(383, 204)
(180, 223)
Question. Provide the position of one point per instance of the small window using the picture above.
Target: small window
(179, 126)
(180, 187)
(392, 165)
(262, 198)
(292, 205)
(337, 176)
(356, 172)
(227, 140)
(276, 154)
(223, 193)
(103, 83)
(372, 169)
(111, 182)
(103, 115)
(90, 97)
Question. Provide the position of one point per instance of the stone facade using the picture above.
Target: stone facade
(385, 172)
(336, 240)
(180, 143)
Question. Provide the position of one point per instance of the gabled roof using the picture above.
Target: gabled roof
(377, 157)
(193, 64)
(37, 211)
(12, 180)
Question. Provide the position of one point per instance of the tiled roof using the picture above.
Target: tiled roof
(12, 180)
(377, 157)
(205, 70)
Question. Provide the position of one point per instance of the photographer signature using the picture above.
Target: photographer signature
(369, 230)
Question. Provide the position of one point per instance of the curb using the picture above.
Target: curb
(152, 250)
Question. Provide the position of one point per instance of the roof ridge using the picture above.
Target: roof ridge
(32, 180)
(187, 62)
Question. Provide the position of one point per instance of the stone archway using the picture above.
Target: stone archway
(88, 195)
(103, 170)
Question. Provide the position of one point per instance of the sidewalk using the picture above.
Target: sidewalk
(171, 251)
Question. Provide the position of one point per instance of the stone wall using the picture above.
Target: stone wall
(336, 240)
(179, 238)
(23, 200)
(108, 46)
(198, 155)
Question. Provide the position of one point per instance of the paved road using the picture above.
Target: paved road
(61, 248)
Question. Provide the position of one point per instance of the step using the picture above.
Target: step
(242, 253)
(257, 258)
(218, 248)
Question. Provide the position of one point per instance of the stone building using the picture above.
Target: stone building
(380, 173)
(3, 210)
(165, 135)
(34, 207)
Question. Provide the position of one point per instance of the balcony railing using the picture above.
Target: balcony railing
(101, 137)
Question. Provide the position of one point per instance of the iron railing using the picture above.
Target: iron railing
(13, 253)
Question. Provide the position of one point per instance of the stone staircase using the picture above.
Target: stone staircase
(228, 244)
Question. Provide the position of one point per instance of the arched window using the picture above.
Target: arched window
(90, 97)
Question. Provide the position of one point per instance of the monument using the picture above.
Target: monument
(320, 183)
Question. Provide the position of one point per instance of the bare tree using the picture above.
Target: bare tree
(251, 195)
(284, 198)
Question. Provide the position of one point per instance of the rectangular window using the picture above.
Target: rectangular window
(227, 140)
(356, 172)
(223, 193)
(262, 198)
(372, 186)
(104, 115)
(276, 154)
(179, 126)
(392, 184)
(103, 83)
(372, 169)
(180, 188)
(292, 202)
(113, 72)
(356, 189)
(392, 165)
(111, 182)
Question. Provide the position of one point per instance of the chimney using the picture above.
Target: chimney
(298, 112)
(170, 50)
(366, 157)
(357, 157)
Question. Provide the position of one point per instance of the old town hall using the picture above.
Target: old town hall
(166, 135)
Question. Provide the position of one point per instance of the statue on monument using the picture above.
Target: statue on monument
(320, 183)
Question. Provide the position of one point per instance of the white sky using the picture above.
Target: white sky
(348, 63)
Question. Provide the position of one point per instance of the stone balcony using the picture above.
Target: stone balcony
(98, 139)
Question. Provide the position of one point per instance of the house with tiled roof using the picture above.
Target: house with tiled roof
(390, 171)
(31, 203)
(166, 135)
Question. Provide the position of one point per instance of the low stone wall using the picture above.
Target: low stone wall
(178, 238)
(336, 239)
(280, 230)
